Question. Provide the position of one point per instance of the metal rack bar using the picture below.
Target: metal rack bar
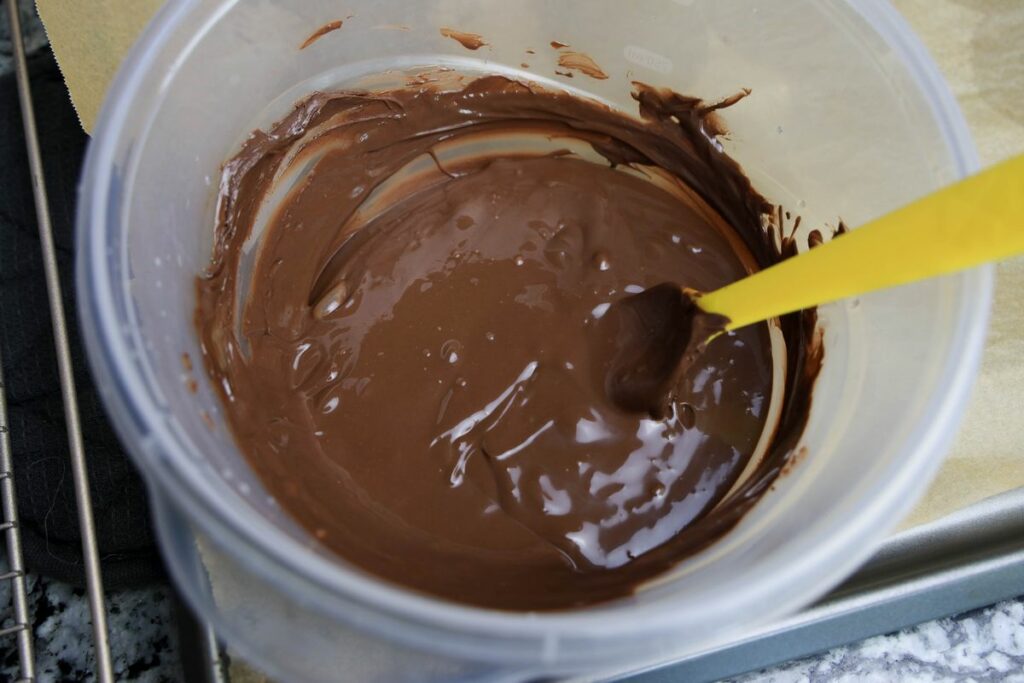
(22, 628)
(90, 552)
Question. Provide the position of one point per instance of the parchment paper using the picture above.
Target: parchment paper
(978, 44)
(89, 38)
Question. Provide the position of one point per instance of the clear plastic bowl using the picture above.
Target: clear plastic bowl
(848, 118)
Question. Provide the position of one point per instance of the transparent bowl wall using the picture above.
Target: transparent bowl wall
(848, 119)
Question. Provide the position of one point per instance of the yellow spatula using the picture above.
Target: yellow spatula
(975, 221)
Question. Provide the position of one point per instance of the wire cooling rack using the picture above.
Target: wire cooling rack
(21, 630)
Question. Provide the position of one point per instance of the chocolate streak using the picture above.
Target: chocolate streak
(470, 41)
(416, 366)
(585, 64)
(321, 32)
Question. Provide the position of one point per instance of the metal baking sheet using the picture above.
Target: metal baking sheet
(970, 559)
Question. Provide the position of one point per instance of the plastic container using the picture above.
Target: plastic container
(848, 118)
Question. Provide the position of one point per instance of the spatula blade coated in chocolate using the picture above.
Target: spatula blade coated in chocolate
(655, 332)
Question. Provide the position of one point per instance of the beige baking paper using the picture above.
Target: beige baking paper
(978, 44)
(89, 38)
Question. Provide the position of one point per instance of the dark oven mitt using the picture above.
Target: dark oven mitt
(46, 499)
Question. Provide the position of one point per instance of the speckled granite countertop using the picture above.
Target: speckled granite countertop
(143, 639)
(983, 645)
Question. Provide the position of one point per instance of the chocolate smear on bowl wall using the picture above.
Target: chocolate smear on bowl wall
(470, 41)
(321, 32)
(583, 63)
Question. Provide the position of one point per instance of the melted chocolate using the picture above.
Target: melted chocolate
(470, 41)
(583, 63)
(416, 367)
(321, 32)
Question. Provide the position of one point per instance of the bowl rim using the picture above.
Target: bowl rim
(399, 613)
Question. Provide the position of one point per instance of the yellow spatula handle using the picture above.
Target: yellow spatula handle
(977, 220)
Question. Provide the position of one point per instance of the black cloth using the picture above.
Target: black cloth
(45, 489)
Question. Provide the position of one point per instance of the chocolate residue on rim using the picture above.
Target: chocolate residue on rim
(558, 45)
(582, 63)
(729, 101)
(321, 32)
(415, 368)
(470, 41)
